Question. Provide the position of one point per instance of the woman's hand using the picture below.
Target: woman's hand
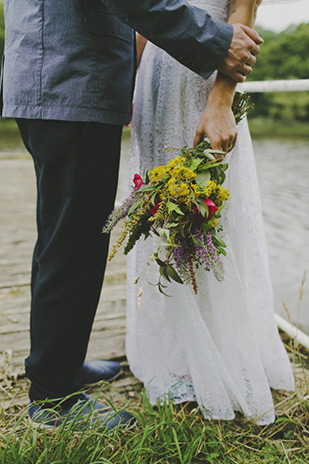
(218, 124)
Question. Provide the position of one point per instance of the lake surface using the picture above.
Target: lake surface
(283, 171)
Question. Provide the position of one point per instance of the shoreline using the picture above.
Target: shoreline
(259, 128)
(267, 127)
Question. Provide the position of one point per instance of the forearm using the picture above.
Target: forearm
(140, 45)
(244, 12)
(217, 121)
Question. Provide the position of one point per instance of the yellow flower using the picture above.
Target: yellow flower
(211, 188)
(157, 174)
(180, 191)
(196, 190)
(176, 161)
(183, 173)
(221, 195)
(184, 189)
(213, 222)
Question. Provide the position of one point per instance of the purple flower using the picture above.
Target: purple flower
(119, 213)
(182, 260)
(205, 254)
(208, 255)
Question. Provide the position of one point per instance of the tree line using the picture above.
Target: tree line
(284, 55)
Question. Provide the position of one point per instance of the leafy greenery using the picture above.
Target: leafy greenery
(266, 127)
(283, 56)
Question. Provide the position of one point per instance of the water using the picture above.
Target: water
(283, 171)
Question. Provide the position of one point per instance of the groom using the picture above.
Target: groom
(68, 80)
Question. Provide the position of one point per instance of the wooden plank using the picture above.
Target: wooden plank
(17, 238)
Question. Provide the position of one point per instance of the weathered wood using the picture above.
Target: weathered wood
(17, 238)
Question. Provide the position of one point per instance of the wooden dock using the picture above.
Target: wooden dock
(17, 238)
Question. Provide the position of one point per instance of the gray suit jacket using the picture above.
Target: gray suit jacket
(75, 59)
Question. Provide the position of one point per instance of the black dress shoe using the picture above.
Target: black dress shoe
(96, 371)
(85, 414)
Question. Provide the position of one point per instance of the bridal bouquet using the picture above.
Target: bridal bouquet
(181, 204)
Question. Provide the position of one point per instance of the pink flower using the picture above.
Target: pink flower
(212, 208)
(138, 182)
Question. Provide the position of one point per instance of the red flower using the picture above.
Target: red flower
(154, 208)
(212, 208)
(138, 182)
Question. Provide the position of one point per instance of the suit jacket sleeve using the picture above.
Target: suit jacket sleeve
(187, 33)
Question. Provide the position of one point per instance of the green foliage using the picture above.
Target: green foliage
(282, 106)
(267, 127)
(283, 56)
(165, 434)
(289, 106)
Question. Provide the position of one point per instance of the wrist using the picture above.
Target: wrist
(221, 99)
(223, 91)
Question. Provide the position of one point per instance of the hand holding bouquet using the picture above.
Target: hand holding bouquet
(181, 204)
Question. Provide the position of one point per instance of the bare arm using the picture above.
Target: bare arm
(217, 122)
(140, 45)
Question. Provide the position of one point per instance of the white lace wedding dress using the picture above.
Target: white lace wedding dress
(221, 347)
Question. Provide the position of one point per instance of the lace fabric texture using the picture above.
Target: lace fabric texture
(221, 347)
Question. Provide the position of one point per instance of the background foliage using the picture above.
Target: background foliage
(284, 55)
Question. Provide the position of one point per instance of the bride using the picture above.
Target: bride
(221, 347)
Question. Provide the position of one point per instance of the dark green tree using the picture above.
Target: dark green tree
(283, 56)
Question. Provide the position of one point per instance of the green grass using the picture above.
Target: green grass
(8, 127)
(164, 434)
(260, 127)
(9, 136)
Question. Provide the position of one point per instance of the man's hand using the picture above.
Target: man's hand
(217, 123)
(241, 55)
